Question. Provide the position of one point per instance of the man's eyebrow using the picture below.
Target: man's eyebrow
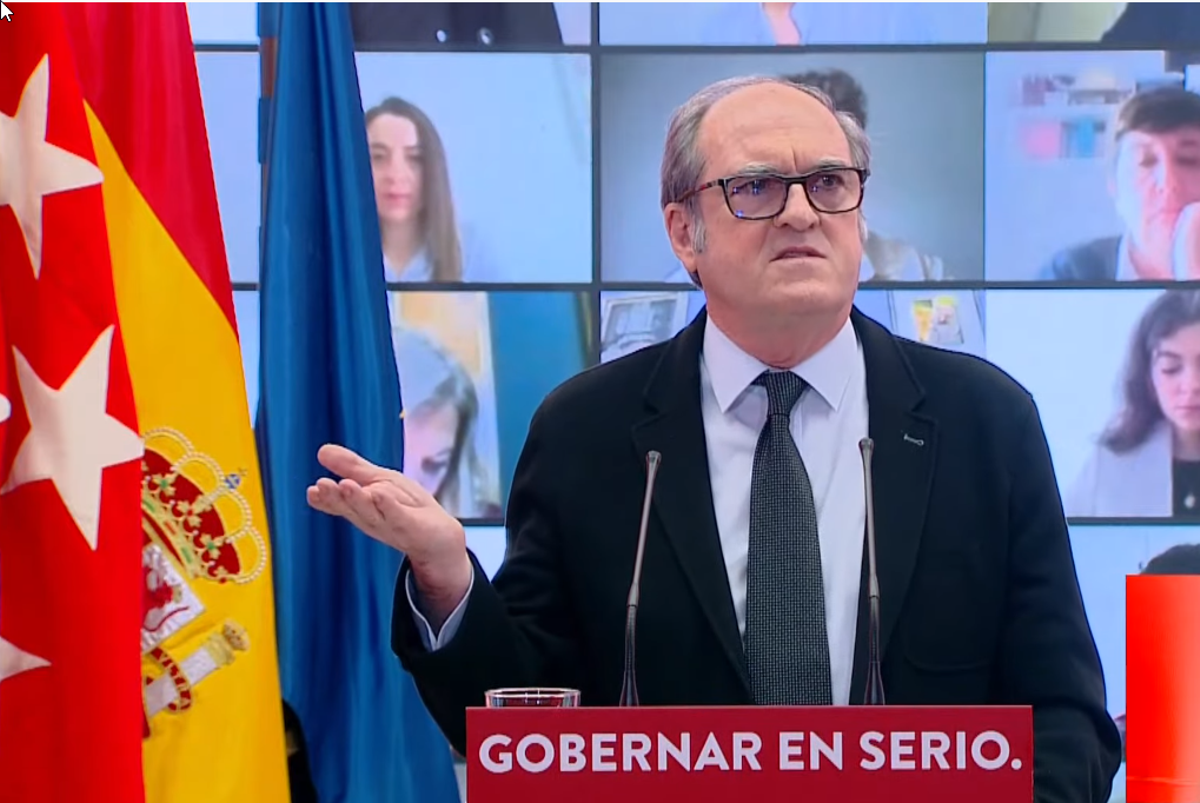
(759, 169)
(827, 164)
(764, 169)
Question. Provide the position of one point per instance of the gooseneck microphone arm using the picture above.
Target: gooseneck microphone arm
(629, 695)
(874, 690)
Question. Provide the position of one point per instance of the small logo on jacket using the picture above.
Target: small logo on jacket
(914, 441)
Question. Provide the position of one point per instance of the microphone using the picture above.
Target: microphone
(629, 695)
(874, 691)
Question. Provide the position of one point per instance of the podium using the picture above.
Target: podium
(846, 754)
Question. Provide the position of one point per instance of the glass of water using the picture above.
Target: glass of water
(534, 697)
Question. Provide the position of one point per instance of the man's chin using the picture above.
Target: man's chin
(810, 301)
(822, 287)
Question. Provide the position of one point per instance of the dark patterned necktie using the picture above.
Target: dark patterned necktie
(787, 647)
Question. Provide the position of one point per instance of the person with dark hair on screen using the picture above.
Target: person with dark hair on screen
(382, 25)
(1147, 462)
(752, 589)
(1154, 178)
(417, 222)
(884, 258)
(1179, 559)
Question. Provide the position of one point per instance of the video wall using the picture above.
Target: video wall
(1034, 200)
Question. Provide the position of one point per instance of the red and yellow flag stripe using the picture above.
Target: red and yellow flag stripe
(214, 716)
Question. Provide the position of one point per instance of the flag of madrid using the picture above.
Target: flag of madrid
(70, 454)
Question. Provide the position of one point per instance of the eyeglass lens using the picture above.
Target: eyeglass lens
(829, 191)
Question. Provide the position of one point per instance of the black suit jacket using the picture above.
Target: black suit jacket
(980, 603)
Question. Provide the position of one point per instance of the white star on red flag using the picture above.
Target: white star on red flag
(70, 465)
(72, 438)
(14, 660)
(31, 168)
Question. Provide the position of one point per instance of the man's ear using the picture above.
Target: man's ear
(681, 231)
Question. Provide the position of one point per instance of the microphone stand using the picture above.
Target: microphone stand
(874, 690)
(629, 695)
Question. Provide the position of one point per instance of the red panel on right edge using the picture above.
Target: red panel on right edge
(1162, 689)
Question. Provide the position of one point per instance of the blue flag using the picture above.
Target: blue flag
(328, 375)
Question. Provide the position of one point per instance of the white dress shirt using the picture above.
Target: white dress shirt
(827, 424)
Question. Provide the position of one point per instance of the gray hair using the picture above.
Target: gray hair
(683, 164)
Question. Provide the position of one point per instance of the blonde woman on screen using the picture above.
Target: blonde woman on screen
(1147, 463)
(441, 410)
(417, 221)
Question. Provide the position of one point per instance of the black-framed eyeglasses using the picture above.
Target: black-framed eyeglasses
(762, 196)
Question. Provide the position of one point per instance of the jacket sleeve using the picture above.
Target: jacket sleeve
(1048, 656)
(515, 631)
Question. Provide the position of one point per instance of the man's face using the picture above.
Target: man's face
(1157, 175)
(802, 261)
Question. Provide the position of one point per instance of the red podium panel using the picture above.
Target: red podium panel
(715, 755)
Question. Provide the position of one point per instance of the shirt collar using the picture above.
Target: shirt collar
(418, 269)
(732, 370)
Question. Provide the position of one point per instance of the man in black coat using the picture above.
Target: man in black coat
(753, 587)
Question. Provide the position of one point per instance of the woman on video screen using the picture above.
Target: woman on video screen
(1147, 463)
(441, 410)
(417, 222)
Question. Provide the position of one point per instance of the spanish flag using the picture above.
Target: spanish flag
(213, 722)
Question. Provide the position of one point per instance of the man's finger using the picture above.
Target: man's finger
(340, 500)
(325, 497)
(406, 491)
(362, 509)
(388, 503)
(345, 463)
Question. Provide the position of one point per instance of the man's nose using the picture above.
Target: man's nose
(798, 211)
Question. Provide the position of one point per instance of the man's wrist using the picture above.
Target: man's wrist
(442, 586)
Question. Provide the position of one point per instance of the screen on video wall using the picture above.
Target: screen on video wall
(1034, 199)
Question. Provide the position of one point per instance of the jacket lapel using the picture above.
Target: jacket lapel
(673, 425)
(902, 474)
